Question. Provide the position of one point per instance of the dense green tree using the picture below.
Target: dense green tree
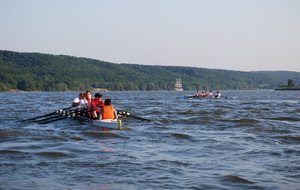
(44, 72)
(61, 87)
(3, 87)
(290, 83)
(26, 85)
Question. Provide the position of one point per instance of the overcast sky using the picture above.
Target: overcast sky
(245, 35)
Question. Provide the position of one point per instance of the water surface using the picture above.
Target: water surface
(251, 140)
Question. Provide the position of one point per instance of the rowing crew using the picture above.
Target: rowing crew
(206, 94)
(95, 108)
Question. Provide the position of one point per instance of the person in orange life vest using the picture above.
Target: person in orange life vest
(96, 104)
(108, 111)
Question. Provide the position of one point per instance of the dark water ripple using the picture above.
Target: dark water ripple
(249, 141)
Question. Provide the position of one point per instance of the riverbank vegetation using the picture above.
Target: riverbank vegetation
(290, 86)
(46, 72)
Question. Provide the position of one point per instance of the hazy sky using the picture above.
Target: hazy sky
(246, 35)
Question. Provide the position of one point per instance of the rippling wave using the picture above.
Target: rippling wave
(248, 141)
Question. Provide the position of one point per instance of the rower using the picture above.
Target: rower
(218, 95)
(96, 104)
(76, 101)
(79, 103)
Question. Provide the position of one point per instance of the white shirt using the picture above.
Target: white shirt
(83, 103)
(76, 100)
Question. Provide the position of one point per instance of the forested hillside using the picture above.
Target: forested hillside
(45, 72)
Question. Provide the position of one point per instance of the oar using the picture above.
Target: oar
(140, 118)
(49, 118)
(58, 115)
(49, 114)
(127, 114)
(62, 116)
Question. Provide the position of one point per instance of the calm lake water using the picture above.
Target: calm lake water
(249, 141)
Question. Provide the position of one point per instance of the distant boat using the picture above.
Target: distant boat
(178, 85)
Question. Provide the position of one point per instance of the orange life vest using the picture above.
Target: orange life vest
(108, 112)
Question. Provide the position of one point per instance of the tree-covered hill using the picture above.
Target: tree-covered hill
(45, 72)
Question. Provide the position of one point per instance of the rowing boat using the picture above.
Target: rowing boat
(200, 97)
(73, 113)
(108, 123)
(115, 124)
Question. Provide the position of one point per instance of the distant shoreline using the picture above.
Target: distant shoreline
(95, 89)
(294, 88)
(13, 90)
(105, 90)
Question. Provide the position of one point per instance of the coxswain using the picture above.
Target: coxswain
(108, 111)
